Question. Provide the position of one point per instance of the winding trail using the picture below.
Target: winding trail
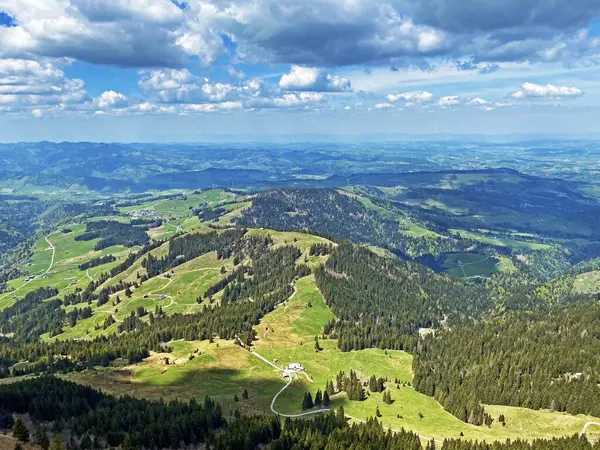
(153, 294)
(39, 275)
(586, 426)
(289, 378)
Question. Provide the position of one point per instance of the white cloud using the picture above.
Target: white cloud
(450, 100)
(235, 73)
(111, 99)
(383, 106)
(313, 79)
(532, 90)
(148, 107)
(181, 86)
(301, 99)
(210, 107)
(125, 33)
(478, 101)
(402, 33)
(27, 84)
(415, 97)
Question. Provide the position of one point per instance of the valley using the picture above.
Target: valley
(221, 293)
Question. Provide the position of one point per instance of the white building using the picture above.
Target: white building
(295, 367)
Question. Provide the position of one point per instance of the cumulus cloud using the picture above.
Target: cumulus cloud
(313, 79)
(139, 33)
(413, 97)
(478, 101)
(450, 100)
(210, 107)
(181, 86)
(290, 100)
(235, 73)
(27, 84)
(501, 15)
(532, 90)
(399, 33)
(383, 106)
(403, 33)
(149, 107)
(111, 99)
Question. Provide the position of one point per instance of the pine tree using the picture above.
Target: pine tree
(326, 400)
(387, 397)
(339, 381)
(20, 431)
(58, 443)
(340, 417)
(317, 346)
(377, 412)
(86, 442)
(373, 384)
(307, 402)
(245, 394)
(41, 438)
(502, 420)
(330, 388)
(318, 398)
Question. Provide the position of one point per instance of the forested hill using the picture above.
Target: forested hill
(545, 360)
(383, 302)
(327, 212)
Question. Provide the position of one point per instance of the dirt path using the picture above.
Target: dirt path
(153, 294)
(289, 378)
(586, 426)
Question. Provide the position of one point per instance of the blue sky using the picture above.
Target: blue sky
(166, 70)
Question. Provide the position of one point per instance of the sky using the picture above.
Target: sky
(195, 70)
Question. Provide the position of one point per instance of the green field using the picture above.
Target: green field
(469, 265)
(180, 207)
(502, 241)
(175, 291)
(588, 282)
(64, 273)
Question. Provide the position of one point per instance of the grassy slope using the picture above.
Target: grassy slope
(224, 369)
(502, 241)
(588, 282)
(184, 285)
(406, 225)
(69, 255)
